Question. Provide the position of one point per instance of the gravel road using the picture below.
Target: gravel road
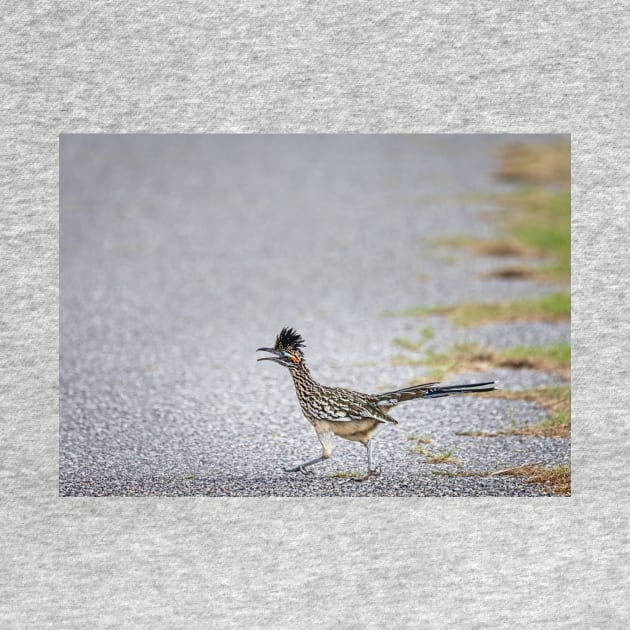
(180, 255)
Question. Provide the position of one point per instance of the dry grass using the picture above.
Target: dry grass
(557, 400)
(472, 358)
(420, 439)
(348, 475)
(536, 164)
(515, 272)
(561, 431)
(446, 457)
(548, 308)
(557, 479)
(491, 247)
(443, 458)
(534, 221)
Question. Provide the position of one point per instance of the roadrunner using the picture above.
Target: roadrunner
(343, 412)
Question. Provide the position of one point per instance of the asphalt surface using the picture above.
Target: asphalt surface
(180, 255)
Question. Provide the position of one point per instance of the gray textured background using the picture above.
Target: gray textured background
(72, 563)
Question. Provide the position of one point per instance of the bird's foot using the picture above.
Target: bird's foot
(304, 471)
(375, 472)
(359, 478)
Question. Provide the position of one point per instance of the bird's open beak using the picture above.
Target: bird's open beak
(272, 350)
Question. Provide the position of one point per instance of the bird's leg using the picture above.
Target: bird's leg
(325, 437)
(371, 471)
(302, 467)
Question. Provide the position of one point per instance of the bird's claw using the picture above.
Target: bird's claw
(375, 472)
(301, 469)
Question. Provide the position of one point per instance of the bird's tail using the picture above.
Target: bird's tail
(432, 390)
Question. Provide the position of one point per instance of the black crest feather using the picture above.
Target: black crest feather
(289, 339)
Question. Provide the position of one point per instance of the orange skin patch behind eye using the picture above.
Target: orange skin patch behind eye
(295, 359)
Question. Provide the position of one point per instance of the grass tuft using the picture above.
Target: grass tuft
(557, 400)
(446, 457)
(556, 479)
(534, 220)
(421, 439)
(536, 164)
(548, 308)
(348, 475)
(469, 357)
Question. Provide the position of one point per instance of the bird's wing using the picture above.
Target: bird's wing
(344, 405)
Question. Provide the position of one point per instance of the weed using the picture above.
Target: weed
(420, 439)
(447, 457)
(348, 475)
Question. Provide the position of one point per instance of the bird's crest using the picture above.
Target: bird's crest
(289, 339)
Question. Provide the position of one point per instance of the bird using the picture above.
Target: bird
(351, 415)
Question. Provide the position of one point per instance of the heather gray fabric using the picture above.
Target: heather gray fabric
(351, 563)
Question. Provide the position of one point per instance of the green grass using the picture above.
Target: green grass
(348, 475)
(420, 439)
(426, 334)
(541, 222)
(534, 221)
(431, 457)
(561, 419)
(557, 400)
(446, 457)
(469, 357)
(558, 354)
(548, 308)
(407, 344)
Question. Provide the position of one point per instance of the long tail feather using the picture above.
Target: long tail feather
(432, 390)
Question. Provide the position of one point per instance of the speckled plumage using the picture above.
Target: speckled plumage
(343, 412)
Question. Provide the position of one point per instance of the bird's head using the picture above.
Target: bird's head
(287, 349)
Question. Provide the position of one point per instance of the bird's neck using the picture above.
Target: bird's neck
(302, 376)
